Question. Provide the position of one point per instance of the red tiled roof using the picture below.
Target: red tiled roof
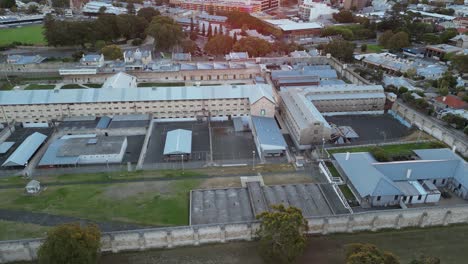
(453, 102)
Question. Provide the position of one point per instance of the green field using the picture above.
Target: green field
(39, 87)
(27, 35)
(154, 203)
(14, 230)
(72, 86)
(398, 149)
(374, 48)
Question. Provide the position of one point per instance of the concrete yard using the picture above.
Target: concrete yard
(230, 146)
(372, 127)
(134, 145)
(230, 205)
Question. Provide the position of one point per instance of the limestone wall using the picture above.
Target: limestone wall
(26, 250)
(434, 128)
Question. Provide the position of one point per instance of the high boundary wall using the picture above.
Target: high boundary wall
(433, 127)
(346, 72)
(134, 240)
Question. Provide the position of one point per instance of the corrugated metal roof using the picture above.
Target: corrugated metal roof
(103, 122)
(51, 158)
(25, 151)
(26, 97)
(120, 80)
(268, 133)
(5, 146)
(178, 142)
(315, 97)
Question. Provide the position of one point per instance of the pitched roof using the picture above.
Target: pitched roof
(268, 133)
(120, 80)
(452, 101)
(26, 150)
(178, 142)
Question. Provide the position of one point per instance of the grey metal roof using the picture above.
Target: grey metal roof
(178, 142)
(25, 97)
(366, 174)
(318, 97)
(103, 122)
(5, 146)
(25, 59)
(120, 80)
(268, 133)
(50, 157)
(26, 150)
(75, 147)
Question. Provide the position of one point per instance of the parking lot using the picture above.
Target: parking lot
(372, 127)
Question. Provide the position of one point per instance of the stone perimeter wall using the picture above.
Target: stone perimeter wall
(26, 250)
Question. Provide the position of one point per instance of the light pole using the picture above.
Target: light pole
(323, 146)
(182, 156)
(253, 159)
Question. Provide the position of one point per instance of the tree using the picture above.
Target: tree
(131, 8)
(209, 34)
(165, 31)
(385, 37)
(447, 81)
(282, 234)
(398, 41)
(60, 3)
(102, 10)
(112, 52)
(7, 3)
(71, 243)
(256, 47)
(219, 45)
(148, 13)
(344, 16)
(402, 90)
(460, 62)
(368, 254)
(99, 44)
(189, 46)
(340, 49)
(364, 47)
(380, 154)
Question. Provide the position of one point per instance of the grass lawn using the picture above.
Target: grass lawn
(26, 34)
(72, 86)
(347, 192)
(157, 203)
(400, 149)
(374, 48)
(93, 85)
(334, 172)
(15, 230)
(161, 84)
(39, 87)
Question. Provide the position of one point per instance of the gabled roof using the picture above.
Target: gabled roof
(25, 151)
(268, 133)
(178, 142)
(452, 101)
(120, 80)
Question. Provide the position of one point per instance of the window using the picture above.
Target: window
(395, 198)
(443, 181)
(378, 198)
(419, 197)
(434, 181)
(262, 112)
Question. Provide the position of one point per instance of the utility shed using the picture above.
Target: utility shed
(25, 151)
(268, 137)
(178, 142)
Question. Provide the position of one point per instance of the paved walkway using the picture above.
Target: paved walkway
(45, 219)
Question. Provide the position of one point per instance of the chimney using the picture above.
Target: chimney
(347, 155)
(408, 173)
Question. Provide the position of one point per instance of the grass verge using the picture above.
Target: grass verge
(146, 85)
(39, 87)
(14, 230)
(398, 149)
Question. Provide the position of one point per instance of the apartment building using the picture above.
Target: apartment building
(224, 5)
(36, 106)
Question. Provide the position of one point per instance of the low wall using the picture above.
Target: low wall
(347, 73)
(433, 127)
(26, 250)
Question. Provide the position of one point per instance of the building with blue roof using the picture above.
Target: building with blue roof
(411, 182)
(178, 143)
(268, 137)
(25, 151)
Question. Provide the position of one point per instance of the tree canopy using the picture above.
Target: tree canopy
(460, 62)
(256, 47)
(71, 243)
(394, 41)
(148, 13)
(112, 52)
(7, 3)
(165, 31)
(340, 49)
(219, 45)
(368, 254)
(282, 234)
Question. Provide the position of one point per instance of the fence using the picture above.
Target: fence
(26, 250)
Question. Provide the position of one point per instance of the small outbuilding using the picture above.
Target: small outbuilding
(33, 187)
(268, 137)
(178, 143)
